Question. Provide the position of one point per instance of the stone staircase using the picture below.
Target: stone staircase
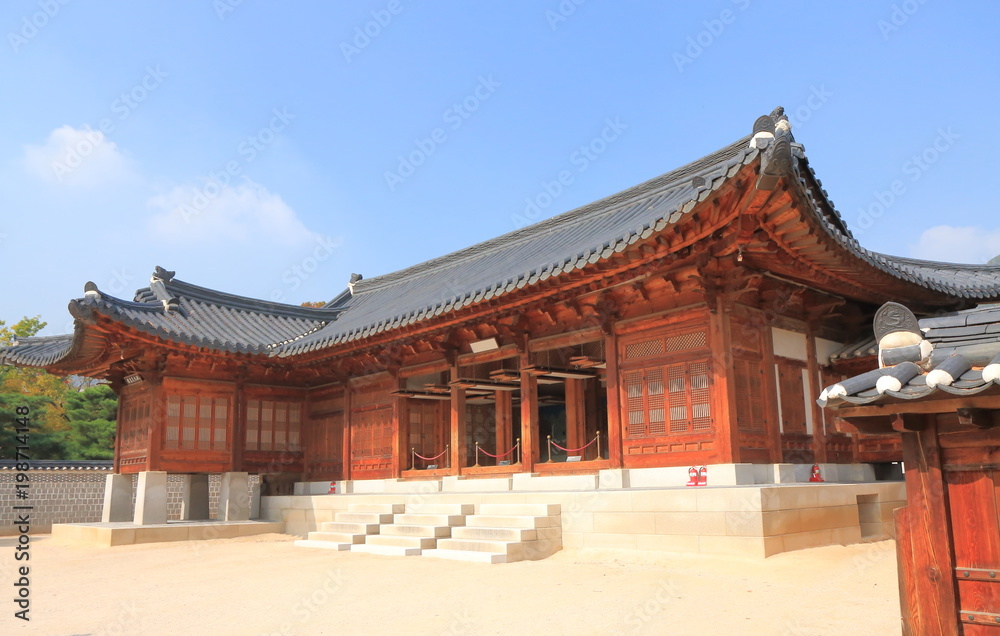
(352, 527)
(504, 533)
(420, 528)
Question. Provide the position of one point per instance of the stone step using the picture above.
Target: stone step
(351, 528)
(376, 507)
(364, 517)
(460, 555)
(325, 545)
(337, 537)
(512, 549)
(409, 530)
(534, 550)
(401, 541)
(496, 534)
(441, 509)
(520, 510)
(429, 519)
(501, 521)
(387, 550)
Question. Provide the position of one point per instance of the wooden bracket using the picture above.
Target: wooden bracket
(978, 418)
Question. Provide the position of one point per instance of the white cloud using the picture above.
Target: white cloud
(950, 244)
(246, 213)
(77, 157)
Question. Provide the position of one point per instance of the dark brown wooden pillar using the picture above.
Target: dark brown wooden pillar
(238, 439)
(772, 427)
(157, 420)
(346, 445)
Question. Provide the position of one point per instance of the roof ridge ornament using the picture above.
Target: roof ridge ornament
(355, 279)
(90, 290)
(165, 275)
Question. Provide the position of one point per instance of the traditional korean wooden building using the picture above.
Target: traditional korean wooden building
(937, 383)
(687, 320)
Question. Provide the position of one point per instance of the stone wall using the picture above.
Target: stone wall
(76, 495)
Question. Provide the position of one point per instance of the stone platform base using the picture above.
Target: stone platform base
(126, 533)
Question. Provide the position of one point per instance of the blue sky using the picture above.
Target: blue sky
(265, 148)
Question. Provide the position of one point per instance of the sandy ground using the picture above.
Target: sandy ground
(264, 585)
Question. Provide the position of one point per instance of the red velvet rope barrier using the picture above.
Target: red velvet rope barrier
(430, 459)
(572, 450)
(497, 456)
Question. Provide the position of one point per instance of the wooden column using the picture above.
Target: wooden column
(576, 421)
(931, 597)
(346, 445)
(614, 440)
(773, 424)
(457, 452)
(529, 418)
(238, 426)
(504, 416)
(814, 389)
(157, 421)
(723, 387)
(400, 432)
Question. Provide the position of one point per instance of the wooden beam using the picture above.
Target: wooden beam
(943, 405)
(909, 422)
(874, 425)
(978, 418)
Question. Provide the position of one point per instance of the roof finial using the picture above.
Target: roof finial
(354, 281)
(162, 274)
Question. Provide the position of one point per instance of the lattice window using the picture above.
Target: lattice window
(668, 400)
(644, 349)
(196, 422)
(134, 420)
(701, 397)
(371, 435)
(273, 425)
(687, 341)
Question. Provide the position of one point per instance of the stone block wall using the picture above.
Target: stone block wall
(76, 495)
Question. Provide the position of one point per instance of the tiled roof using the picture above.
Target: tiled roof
(954, 354)
(59, 464)
(193, 315)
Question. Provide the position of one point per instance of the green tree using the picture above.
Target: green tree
(91, 415)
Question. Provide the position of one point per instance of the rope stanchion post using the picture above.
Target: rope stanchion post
(517, 444)
(413, 459)
(548, 439)
(477, 453)
(447, 455)
(599, 445)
